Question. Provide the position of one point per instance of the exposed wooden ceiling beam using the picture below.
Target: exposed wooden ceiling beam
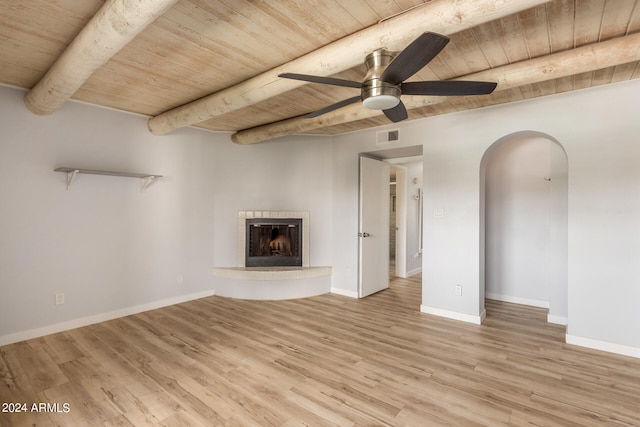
(112, 27)
(445, 17)
(580, 60)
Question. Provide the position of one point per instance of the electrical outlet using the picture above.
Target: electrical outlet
(459, 290)
(59, 298)
(179, 279)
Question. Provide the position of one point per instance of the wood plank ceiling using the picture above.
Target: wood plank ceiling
(202, 47)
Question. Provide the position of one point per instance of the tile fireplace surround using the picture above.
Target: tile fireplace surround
(272, 282)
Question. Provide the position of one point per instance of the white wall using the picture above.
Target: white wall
(414, 257)
(112, 249)
(291, 174)
(559, 237)
(598, 128)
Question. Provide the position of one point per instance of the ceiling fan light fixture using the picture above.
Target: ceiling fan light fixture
(381, 102)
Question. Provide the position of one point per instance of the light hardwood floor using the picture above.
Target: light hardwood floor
(327, 360)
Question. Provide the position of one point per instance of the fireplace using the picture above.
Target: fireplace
(273, 242)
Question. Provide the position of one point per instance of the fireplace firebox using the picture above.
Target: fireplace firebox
(273, 242)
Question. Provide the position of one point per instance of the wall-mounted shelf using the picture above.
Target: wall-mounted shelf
(145, 179)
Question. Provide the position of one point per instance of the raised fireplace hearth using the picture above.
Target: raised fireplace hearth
(266, 282)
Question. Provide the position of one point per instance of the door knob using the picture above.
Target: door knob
(364, 234)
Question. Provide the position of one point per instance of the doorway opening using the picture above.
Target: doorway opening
(525, 223)
(404, 191)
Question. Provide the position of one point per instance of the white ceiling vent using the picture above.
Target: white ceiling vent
(387, 136)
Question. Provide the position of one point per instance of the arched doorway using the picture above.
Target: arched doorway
(524, 222)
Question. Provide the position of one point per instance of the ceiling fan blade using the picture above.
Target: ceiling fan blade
(332, 107)
(397, 113)
(414, 57)
(447, 88)
(322, 80)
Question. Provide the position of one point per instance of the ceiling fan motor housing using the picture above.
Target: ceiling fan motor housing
(377, 94)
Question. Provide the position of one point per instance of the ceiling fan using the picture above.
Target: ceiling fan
(386, 73)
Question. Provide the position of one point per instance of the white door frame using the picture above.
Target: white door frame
(401, 220)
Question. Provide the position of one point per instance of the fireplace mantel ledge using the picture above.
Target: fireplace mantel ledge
(271, 273)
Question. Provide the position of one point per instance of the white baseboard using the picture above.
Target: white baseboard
(557, 320)
(517, 300)
(414, 272)
(624, 350)
(344, 293)
(477, 320)
(102, 317)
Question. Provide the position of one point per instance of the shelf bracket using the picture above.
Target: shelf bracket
(71, 175)
(146, 181)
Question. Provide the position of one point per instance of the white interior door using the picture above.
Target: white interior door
(373, 266)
